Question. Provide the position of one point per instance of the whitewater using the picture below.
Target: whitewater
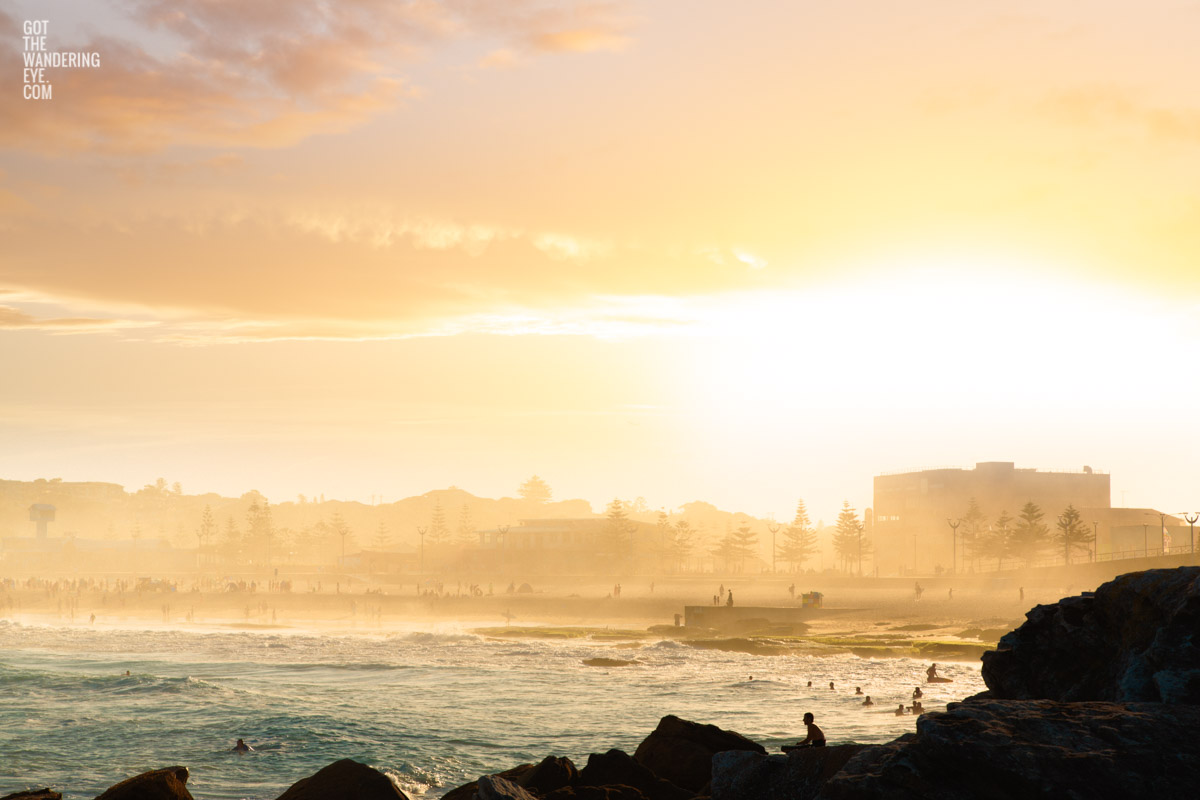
(433, 706)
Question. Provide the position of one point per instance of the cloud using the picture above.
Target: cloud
(221, 74)
(15, 319)
(608, 318)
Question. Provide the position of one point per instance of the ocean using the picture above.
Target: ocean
(434, 706)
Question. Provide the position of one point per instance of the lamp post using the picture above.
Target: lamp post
(1145, 540)
(1191, 521)
(954, 543)
(502, 533)
(1062, 521)
(773, 527)
(421, 532)
(1095, 541)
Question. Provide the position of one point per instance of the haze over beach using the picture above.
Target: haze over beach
(371, 372)
(663, 250)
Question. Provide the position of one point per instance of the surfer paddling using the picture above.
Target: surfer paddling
(931, 675)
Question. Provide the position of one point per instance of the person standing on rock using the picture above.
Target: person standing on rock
(729, 600)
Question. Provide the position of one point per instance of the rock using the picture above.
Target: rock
(618, 768)
(467, 790)
(681, 751)
(993, 749)
(596, 793)
(1132, 640)
(159, 784)
(493, 787)
(34, 794)
(738, 774)
(551, 774)
(344, 780)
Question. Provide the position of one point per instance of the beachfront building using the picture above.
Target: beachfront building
(912, 509)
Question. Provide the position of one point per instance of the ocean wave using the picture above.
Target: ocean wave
(422, 637)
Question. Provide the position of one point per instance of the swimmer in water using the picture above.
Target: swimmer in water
(858, 690)
(900, 710)
(242, 747)
(868, 701)
(831, 686)
(917, 693)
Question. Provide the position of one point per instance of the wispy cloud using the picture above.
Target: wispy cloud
(268, 74)
(15, 319)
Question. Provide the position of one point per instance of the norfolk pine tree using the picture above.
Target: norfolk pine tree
(799, 539)
(1071, 533)
(1030, 536)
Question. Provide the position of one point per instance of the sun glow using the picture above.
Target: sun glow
(943, 334)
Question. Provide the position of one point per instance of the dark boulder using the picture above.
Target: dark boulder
(681, 751)
(551, 774)
(159, 784)
(618, 768)
(467, 790)
(1133, 640)
(541, 779)
(596, 793)
(986, 749)
(344, 780)
(34, 794)
(799, 775)
(493, 787)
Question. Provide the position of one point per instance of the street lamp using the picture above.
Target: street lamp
(502, 535)
(421, 532)
(954, 542)
(1096, 541)
(1062, 521)
(1162, 532)
(773, 527)
(1191, 521)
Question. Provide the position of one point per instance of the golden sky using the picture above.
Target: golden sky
(742, 253)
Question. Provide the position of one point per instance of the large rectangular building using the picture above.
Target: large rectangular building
(912, 509)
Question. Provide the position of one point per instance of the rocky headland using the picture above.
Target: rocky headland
(1095, 696)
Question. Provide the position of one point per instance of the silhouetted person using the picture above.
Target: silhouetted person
(917, 693)
(868, 701)
(951, 594)
(242, 747)
(1022, 590)
(810, 684)
(729, 600)
(931, 673)
(831, 686)
(816, 737)
(858, 690)
(900, 710)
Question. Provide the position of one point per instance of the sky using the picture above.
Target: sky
(742, 253)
